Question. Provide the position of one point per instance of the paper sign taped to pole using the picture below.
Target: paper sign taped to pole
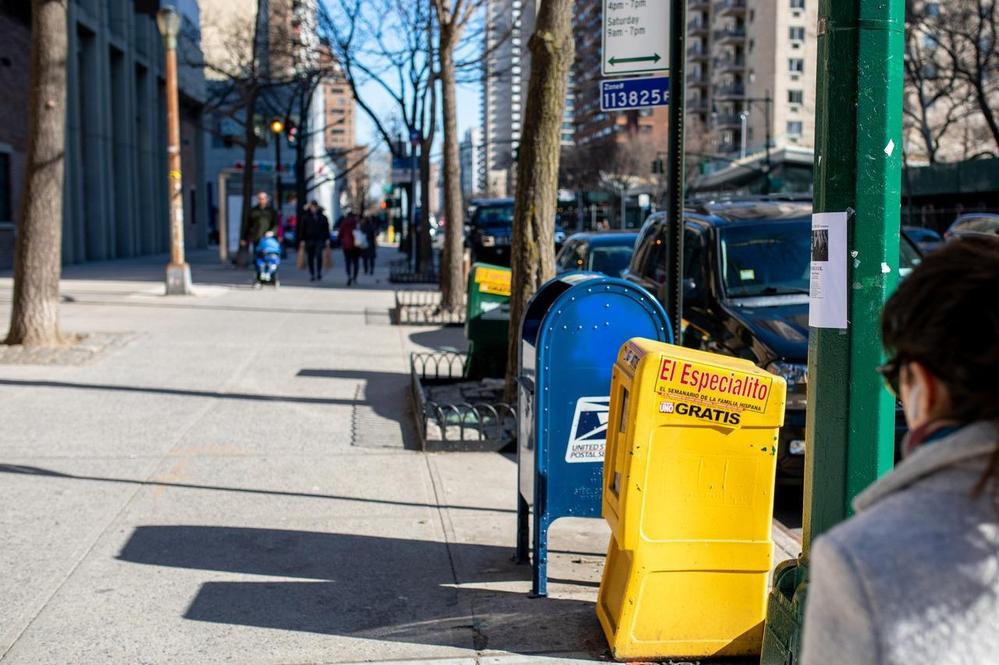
(827, 303)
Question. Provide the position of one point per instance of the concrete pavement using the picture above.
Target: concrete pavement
(233, 480)
(202, 491)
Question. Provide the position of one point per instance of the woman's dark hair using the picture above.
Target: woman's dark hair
(946, 316)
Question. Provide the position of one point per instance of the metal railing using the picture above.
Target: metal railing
(457, 425)
(730, 90)
(423, 307)
(724, 6)
(729, 63)
(400, 272)
(729, 33)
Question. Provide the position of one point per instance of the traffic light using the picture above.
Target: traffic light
(658, 166)
(292, 133)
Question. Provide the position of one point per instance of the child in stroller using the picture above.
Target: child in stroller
(268, 260)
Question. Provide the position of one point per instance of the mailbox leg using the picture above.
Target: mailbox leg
(523, 530)
(539, 587)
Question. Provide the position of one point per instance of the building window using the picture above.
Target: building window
(794, 128)
(795, 96)
(796, 65)
(797, 33)
(797, 4)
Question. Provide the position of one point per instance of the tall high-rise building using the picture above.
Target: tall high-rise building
(506, 71)
(751, 72)
(472, 158)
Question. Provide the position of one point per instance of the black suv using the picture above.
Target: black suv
(490, 231)
(745, 290)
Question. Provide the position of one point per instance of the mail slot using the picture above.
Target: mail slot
(570, 335)
(688, 493)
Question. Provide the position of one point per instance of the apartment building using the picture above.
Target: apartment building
(751, 73)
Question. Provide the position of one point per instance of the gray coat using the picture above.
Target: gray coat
(913, 578)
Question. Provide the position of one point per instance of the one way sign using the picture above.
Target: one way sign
(635, 37)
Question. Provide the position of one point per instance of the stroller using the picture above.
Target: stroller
(268, 261)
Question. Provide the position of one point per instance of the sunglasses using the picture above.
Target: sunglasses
(890, 372)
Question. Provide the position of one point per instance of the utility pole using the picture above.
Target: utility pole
(851, 418)
(675, 152)
(277, 129)
(178, 273)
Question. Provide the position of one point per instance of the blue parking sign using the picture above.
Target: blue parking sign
(636, 93)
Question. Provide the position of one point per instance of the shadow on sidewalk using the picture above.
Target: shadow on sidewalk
(23, 470)
(161, 304)
(376, 588)
(211, 394)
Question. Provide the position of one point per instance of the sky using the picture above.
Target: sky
(469, 97)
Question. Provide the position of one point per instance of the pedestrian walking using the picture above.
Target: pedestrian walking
(315, 231)
(349, 233)
(369, 227)
(913, 577)
(262, 218)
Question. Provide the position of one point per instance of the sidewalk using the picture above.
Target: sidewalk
(203, 493)
(234, 481)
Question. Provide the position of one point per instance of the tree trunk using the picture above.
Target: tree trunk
(533, 251)
(249, 155)
(452, 266)
(34, 318)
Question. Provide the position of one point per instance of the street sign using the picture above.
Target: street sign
(628, 94)
(635, 37)
(403, 171)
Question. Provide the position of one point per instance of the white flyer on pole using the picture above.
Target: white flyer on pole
(827, 304)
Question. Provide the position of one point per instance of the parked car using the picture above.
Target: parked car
(745, 289)
(491, 230)
(925, 239)
(972, 224)
(606, 252)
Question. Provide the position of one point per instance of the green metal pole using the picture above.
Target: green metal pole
(858, 157)
(858, 167)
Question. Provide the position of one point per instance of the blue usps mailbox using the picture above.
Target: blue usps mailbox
(570, 336)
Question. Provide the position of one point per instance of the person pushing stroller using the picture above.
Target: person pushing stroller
(268, 260)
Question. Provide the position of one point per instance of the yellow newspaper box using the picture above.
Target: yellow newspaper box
(688, 492)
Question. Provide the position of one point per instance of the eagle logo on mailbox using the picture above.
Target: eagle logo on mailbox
(588, 435)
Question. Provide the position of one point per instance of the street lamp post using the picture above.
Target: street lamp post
(744, 119)
(277, 128)
(178, 272)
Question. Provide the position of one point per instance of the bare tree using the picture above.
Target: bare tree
(34, 318)
(389, 44)
(452, 17)
(533, 252)
(966, 32)
(934, 102)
